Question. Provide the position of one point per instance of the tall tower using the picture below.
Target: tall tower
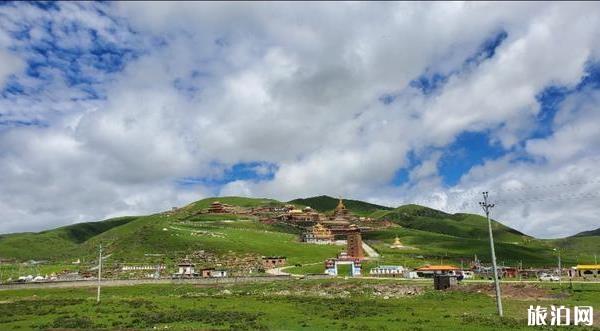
(354, 240)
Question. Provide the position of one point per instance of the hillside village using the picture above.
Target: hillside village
(338, 235)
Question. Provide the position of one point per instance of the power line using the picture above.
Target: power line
(447, 195)
(546, 186)
(549, 198)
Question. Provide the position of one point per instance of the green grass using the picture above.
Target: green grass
(436, 236)
(57, 244)
(436, 248)
(220, 234)
(14, 270)
(458, 225)
(588, 233)
(301, 305)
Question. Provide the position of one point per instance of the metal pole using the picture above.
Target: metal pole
(486, 207)
(99, 272)
(521, 270)
(559, 269)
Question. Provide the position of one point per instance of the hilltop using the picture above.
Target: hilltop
(458, 225)
(326, 203)
(431, 235)
(588, 233)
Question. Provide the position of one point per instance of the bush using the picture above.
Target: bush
(67, 322)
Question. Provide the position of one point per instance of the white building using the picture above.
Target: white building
(212, 273)
(410, 274)
(186, 270)
(387, 271)
(141, 267)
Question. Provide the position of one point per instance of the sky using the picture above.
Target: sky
(126, 108)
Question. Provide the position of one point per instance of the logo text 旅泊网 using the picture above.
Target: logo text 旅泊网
(560, 315)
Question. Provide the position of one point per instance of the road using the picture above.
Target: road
(369, 250)
(132, 282)
(232, 280)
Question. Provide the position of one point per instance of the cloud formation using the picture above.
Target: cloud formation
(119, 108)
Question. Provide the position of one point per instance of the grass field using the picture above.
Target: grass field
(292, 305)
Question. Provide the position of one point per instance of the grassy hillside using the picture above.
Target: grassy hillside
(433, 236)
(436, 248)
(173, 235)
(326, 203)
(457, 225)
(164, 234)
(437, 237)
(60, 243)
(589, 233)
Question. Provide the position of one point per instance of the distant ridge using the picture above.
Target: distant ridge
(588, 233)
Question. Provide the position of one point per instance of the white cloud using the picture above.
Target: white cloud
(296, 86)
(10, 62)
(555, 195)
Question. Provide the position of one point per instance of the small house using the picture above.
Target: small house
(186, 270)
(213, 273)
(444, 281)
(273, 261)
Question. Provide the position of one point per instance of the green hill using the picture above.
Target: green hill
(588, 233)
(173, 235)
(60, 243)
(326, 203)
(431, 235)
(458, 225)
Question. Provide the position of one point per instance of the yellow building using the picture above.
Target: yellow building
(587, 270)
(318, 234)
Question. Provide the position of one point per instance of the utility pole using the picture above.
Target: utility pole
(559, 267)
(486, 208)
(520, 270)
(99, 272)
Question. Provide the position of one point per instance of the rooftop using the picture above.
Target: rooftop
(587, 266)
(438, 267)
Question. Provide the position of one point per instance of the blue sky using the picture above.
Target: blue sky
(124, 108)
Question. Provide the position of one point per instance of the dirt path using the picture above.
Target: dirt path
(280, 271)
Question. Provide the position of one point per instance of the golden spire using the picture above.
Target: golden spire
(397, 243)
